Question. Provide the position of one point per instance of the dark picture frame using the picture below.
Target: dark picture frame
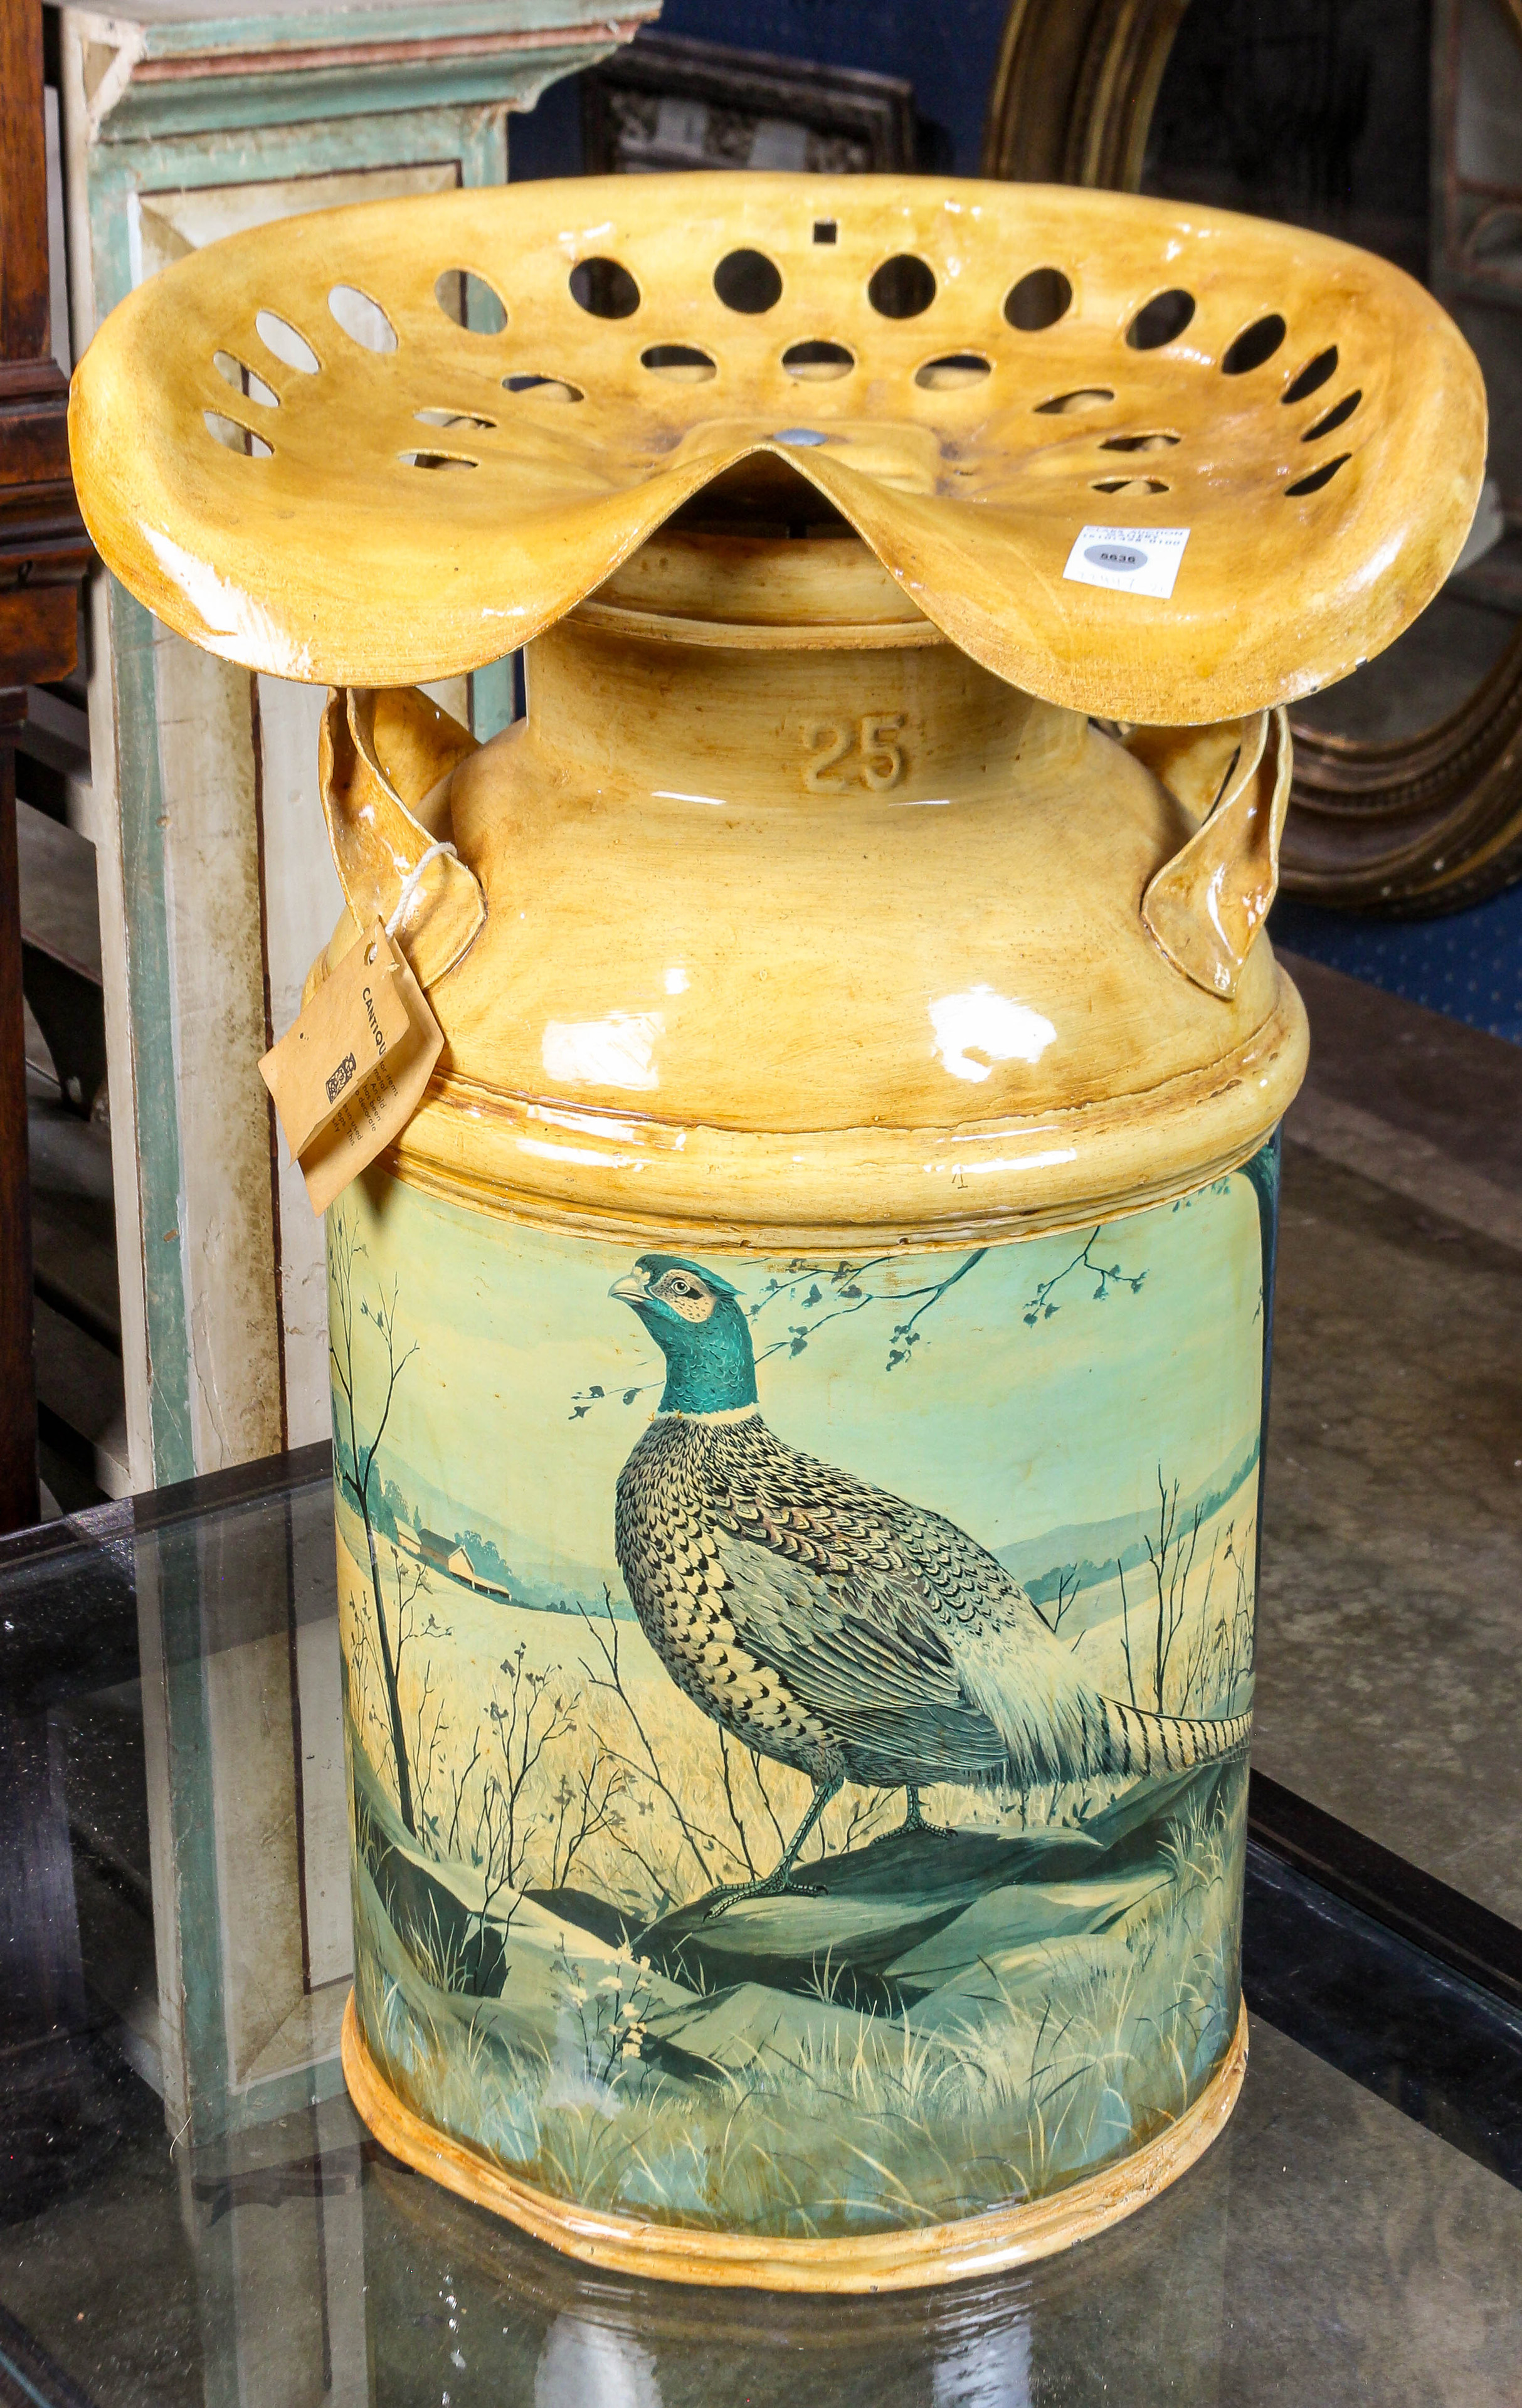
(664, 103)
(1407, 829)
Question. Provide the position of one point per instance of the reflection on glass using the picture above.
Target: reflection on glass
(582, 2360)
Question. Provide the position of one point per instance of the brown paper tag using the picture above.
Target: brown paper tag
(351, 1071)
(357, 1017)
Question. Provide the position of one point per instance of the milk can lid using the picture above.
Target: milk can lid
(1154, 461)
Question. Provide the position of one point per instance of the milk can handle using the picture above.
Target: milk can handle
(395, 857)
(1206, 906)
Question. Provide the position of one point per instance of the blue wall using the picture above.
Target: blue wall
(946, 52)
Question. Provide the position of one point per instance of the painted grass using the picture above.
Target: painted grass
(834, 2121)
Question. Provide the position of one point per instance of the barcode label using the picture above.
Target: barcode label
(1127, 560)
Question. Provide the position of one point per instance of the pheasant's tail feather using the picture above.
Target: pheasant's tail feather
(1132, 1740)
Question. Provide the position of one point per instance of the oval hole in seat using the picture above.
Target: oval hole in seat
(434, 460)
(446, 417)
(1313, 376)
(1253, 345)
(952, 372)
(1318, 477)
(680, 363)
(234, 437)
(548, 388)
(818, 363)
(243, 380)
(903, 287)
(1338, 414)
(468, 300)
(1088, 397)
(604, 288)
(1128, 485)
(749, 282)
(1159, 442)
(363, 320)
(1043, 295)
(284, 344)
(1161, 320)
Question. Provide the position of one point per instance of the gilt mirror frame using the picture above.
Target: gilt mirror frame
(1405, 829)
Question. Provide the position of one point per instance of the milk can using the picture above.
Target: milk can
(801, 1339)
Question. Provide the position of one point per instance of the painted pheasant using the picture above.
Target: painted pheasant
(830, 1625)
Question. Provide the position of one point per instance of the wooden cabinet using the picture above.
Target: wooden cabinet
(42, 551)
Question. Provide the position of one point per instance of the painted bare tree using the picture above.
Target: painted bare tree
(357, 1476)
(524, 1805)
(1202, 1657)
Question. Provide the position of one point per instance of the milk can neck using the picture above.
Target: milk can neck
(802, 675)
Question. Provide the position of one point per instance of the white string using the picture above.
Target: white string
(411, 881)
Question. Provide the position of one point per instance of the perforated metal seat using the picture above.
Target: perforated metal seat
(392, 442)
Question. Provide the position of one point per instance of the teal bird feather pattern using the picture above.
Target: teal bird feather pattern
(830, 1625)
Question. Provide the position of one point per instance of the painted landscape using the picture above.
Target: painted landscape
(934, 2021)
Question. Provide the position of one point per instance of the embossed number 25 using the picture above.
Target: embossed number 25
(869, 754)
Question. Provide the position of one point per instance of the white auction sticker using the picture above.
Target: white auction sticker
(1127, 560)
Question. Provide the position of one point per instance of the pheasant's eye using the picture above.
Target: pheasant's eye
(687, 1297)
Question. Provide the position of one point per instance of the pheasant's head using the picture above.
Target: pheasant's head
(695, 1317)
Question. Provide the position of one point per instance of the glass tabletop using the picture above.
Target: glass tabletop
(1327, 2249)
(190, 2211)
